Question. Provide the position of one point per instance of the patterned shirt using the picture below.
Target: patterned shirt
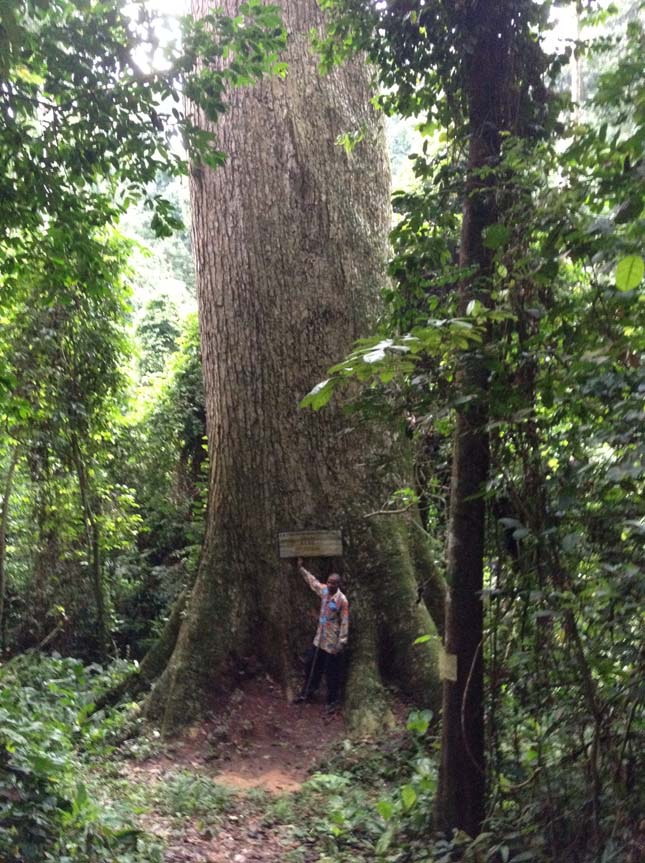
(333, 623)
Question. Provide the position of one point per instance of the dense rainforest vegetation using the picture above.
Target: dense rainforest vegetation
(223, 318)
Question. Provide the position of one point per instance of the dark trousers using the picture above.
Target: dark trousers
(319, 662)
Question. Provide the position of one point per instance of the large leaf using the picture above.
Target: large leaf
(408, 796)
(495, 236)
(319, 395)
(629, 272)
(385, 809)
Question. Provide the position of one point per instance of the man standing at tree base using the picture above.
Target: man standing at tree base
(325, 656)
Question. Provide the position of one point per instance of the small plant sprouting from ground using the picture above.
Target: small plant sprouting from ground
(185, 794)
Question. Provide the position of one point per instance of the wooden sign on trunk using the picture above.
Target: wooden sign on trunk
(447, 665)
(310, 543)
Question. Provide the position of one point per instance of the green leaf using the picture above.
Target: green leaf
(385, 841)
(43, 764)
(385, 809)
(81, 795)
(319, 395)
(408, 796)
(28, 76)
(495, 236)
(422, 639)
(419, 722)
(629, 272)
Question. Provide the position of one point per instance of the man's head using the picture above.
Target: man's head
(333, 582)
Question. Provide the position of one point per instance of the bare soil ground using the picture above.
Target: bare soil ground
(258, 741)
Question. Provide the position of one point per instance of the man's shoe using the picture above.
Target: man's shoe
(332, 708)
(304, 698)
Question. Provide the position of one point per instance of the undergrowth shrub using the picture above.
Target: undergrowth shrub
(375, 804)
(46, 731)
(186, 794)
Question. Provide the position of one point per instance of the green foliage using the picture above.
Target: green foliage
(143, 460)
(372, 803)
(165, 462)
(64, 345)
(379, 359)
(46, 810)
(419, 720)
(92, 105)
(157, 332)
(161, 265)
(187, 794)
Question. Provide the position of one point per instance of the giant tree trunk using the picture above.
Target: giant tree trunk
(290, 241)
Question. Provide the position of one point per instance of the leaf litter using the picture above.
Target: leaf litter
(258, 748)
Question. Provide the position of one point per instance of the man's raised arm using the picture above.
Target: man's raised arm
(311, 580)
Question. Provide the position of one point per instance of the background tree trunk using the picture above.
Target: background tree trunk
(291, 241)
(488, 85)
(4, 523)
(93, 539)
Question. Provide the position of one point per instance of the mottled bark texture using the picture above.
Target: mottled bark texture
(291, 240)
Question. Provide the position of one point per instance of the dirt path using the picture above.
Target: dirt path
(257, 741)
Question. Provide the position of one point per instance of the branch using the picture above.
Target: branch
(390, 511)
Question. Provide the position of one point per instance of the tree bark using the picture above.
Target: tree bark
(488, 86)
(576, 65)
(46, 555)
(291, 242)
(93, 536)
(4, 522)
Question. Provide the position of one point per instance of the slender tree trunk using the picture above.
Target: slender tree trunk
(576, 66)
(153, 662)
(46, 556)
(93, 535)
(4, 523)
(462, 782)
(291, 242)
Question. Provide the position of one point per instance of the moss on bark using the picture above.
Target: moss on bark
(432, 585)
(366, 704)
(198, 665)
(405, 617)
